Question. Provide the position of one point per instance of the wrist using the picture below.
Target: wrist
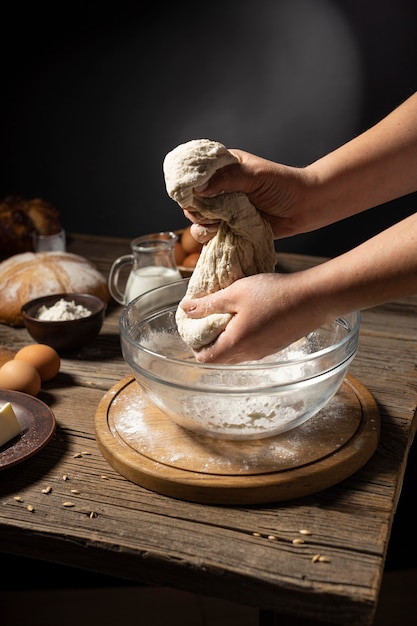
(321, 292)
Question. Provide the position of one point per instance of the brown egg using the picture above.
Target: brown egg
(188, 242)
(19, 375)
(179, 253)
(44, 358)
(191, 260)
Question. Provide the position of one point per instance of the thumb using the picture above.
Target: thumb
(203, 306)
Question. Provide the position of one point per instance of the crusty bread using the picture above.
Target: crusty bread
(30, 275)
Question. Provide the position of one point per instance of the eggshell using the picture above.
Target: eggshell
(189, 244)
(19, 375)
(179, 253)
(191, 260)
(44, 358)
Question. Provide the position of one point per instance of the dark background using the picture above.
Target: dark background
(94, 96)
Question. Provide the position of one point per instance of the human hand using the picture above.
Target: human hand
(255, 330)
(275, 190)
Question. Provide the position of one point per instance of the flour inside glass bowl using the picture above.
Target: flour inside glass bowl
(224, 408)
(247, 400)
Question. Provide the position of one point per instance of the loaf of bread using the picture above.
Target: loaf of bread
(30, 275)
(21, 220)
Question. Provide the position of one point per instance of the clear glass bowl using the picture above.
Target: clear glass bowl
(251, 400)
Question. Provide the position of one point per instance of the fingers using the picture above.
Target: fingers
(194, 216)
(228, 179)
(220, 351)
(197, 308)
(202, 229)
(231, 347)
(220, 182)
(204, 232)
(225, 180)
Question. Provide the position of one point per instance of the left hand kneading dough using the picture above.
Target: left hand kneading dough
(242, 246)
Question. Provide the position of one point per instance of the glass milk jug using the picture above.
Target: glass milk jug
(152, 265)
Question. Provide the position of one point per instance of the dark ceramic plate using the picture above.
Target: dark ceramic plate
(37, 423)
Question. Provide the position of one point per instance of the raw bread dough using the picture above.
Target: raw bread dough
(242, 246)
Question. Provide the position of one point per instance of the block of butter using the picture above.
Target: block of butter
(9, 425)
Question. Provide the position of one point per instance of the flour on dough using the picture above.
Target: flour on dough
(242, 246)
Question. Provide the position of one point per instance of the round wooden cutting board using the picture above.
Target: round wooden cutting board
(147, 447)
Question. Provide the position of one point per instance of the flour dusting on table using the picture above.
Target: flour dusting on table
(312, 440)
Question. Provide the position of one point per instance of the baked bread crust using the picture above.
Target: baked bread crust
(30, 275)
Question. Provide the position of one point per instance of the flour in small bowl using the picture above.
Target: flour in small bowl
(62, 311)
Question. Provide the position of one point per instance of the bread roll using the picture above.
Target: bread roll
(30, 275)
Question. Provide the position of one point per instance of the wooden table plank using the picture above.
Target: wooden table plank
(243, 554)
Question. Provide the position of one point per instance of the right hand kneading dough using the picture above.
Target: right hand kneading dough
(242, 246)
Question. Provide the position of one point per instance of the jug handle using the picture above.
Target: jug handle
(113, 280)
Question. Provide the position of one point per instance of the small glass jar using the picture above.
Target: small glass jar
(50, 243)
(152, 265)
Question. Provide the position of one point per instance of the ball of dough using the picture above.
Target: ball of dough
(242, 246)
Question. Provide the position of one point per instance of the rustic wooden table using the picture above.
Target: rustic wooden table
(242, 554)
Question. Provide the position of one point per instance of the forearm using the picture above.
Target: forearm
(380, 270)
(375, 167)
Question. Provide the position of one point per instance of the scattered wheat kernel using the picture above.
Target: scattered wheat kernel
(77, 455)
(304, 531)
(256, 534)
(315, 558)
(18, 499)
(93, 514)
(65, 477)
(75, 491)
(272, 537)
(68, 504)
(30, 508)
(324, 559)
(104, 477)
(298, 541)
(47, 489)
(86, 452)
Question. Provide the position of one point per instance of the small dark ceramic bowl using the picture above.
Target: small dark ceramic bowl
(65, 336)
